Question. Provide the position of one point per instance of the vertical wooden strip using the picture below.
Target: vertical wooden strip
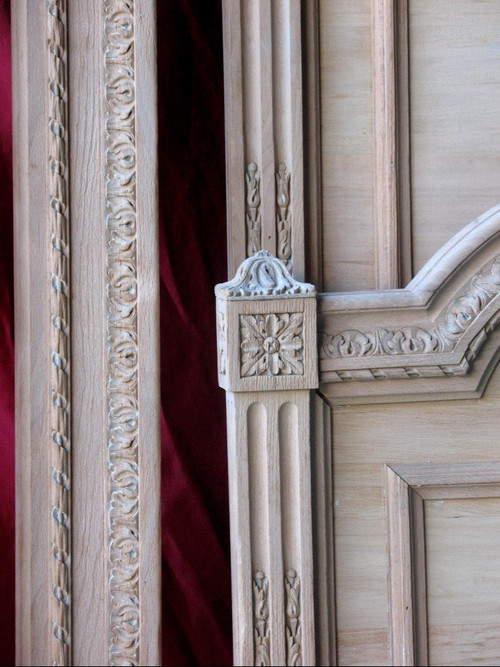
(403, 141)
(257, 53)
(148, 332)
(288, 133)
(392, 206)
(399, 570)
(239, 515)
(290, 530)
(274, 530)
(258, 436)
(32, 344)
(296, 528)
(233, 113)
(419, 579)
(312, 144)
(60, 342)
(322, 503)
(385, 145)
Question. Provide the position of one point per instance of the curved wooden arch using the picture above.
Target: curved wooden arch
(437, 332)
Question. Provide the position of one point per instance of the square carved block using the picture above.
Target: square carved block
(266, 342)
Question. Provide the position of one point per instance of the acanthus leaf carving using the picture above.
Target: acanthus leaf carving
(261, 620)
(253, 217)
(263, 275)
(283, 215)
(451, 325)
(292, 618)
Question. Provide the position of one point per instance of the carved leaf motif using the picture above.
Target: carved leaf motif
(122, 348)
(271, 344)
(292, 614)
(452, 324)
(261, 616)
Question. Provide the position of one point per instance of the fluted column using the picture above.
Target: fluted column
(268, 365)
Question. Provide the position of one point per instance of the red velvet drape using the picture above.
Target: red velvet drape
(7, 496)
(195, 541)
(196, 580)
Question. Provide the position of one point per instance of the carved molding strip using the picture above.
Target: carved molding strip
(122, 347)
(60, 344)
(283, 216)
(253, 218)
(263, 275)
(450, 328)
(292, 619)
(261, 619)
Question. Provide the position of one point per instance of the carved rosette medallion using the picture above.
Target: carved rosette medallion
(261, 619)
(59, 333)
(292, 619)
(283, 216)
(272, 344)
(122, 345)
(253, 217)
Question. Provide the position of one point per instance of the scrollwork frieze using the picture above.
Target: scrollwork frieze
(449, 329)
(122, 342)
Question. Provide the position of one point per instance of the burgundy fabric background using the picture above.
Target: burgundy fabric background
(196, 577)
(7, 496)
(195, 533)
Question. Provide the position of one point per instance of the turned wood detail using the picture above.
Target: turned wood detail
(60, 342)
(122, 348)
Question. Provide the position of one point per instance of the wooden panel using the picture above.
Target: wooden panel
(347, 144)
(462, 544)
(454, 107)
(365, 439)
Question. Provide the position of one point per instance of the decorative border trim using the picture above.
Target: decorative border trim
(59, 336)
(122, 343)
(445, 336)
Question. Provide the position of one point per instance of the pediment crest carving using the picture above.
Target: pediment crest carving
(263, 275)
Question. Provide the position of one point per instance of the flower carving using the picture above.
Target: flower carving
(272, 344)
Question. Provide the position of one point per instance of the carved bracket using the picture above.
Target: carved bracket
(266, 327)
